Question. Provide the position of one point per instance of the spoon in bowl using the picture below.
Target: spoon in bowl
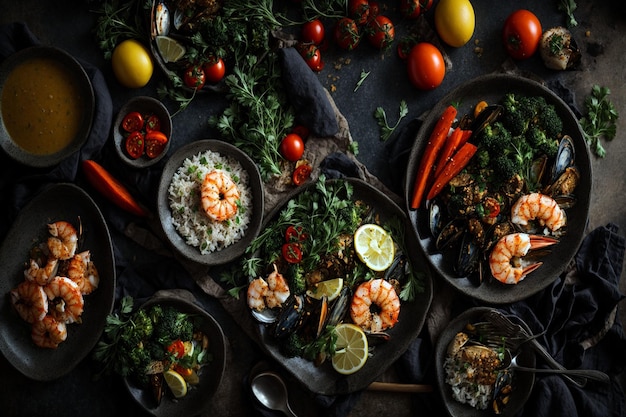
(270, 390)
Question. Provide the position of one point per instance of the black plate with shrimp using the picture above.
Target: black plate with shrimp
(448, 256)
(61, 202)
(379, 209)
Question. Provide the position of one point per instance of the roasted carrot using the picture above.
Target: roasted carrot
(111, 188)
(455, 165)
(435, 142)
(449, 148)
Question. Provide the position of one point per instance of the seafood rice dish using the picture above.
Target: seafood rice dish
(211, 201)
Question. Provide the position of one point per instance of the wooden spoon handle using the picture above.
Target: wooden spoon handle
(394, 387)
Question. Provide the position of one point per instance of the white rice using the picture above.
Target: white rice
(189, 218)
(465, 390)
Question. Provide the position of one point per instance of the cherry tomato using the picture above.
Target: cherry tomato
(412, 9)
(155, 143)
(292, 147)
(301, 131)
(347, 34)
(312, 56)
(359, 10)
(301, 174)
(177, 348)
(381, 32)
(214, 70)
(313, 32)
(132, 122)
(491, 206)
(152, 123)
(374, 9)
(194, 77)
(521, 34)
(134, 144)
(425, 66)
(292, 253)
(404, 46)
(295, 234)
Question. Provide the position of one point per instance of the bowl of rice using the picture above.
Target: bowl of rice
(463, 393)
(234, 206)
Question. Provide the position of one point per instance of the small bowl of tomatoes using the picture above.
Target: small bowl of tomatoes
(142, 132)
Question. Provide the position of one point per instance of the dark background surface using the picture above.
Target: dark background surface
(69, 25)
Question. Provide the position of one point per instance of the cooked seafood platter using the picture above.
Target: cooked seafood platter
(498, 187)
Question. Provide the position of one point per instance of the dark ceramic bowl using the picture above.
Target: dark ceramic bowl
(492, 88)
(198, 398)
(235, 250)
(523, 381)
(146, 106)
(59, 202)
(83, 84)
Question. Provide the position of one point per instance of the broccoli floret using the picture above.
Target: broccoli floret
(541, 142)
(482, 156)
(494, 137)
(518, 110)
(296, 278)
(173, 325)
(138, 329)
(505, 167)
(550, 121)
(293, 346)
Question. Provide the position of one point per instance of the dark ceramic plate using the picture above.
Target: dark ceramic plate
(86, 92)
(199, 397)
(256, 185)
(58, 202)
(523, 381)
(492, 88)
(324, 379)
(144, 105)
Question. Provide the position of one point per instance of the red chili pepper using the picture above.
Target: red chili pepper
(177, 348)
(456, 164)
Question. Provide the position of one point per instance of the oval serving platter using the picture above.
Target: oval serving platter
(324, 379)
(492, 88)
(58, 202)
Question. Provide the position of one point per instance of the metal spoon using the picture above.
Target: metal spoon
(270, 390)
(510, 362)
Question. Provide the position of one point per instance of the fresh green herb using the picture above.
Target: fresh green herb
(600, 121)
(568, 6)
(556, 44)
(381, 118)
(331, 9)
(120, 20)
(362, 78)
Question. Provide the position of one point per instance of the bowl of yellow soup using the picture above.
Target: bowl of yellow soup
(46, 106)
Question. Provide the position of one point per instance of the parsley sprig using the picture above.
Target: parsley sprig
(381, 118)
(600, 121)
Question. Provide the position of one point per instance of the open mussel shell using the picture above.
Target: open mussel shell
(265, 316)
(290, 317)
(485, 118)
(565, 157)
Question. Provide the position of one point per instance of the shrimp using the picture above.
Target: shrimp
(219, 195)
(30, 301)
(269, 293)
(65, 299)
(42, 275)
(538, 206)
(505, 260)
(48, 332)
(62, 244)
(381, 294)
(83, 272)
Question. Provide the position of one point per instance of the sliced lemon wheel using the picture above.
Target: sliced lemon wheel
(176, 383)
(351, 349)
(374, 246)
(330, 288)
(170, 49)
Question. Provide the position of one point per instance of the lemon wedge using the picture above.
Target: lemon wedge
(330, 288)
(374, 246)
(351, 349)
(170, 49)
(176, 383)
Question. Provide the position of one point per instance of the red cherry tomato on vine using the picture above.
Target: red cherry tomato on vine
(313, 32)
(292, 147)
(425, 66)
(521, 34)
(194, 77)
(292, 253)
(132, 122)
(381, 32)
(412, 9)
(134, 144)
(374, 9)
(312, 56)
(359, 10)
(214, 70)
(347, 34)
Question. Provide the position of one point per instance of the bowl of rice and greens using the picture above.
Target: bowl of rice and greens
(204, 233)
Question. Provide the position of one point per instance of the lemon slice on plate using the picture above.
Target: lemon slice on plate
(351, 349)
(330, 288)
(374, 246)
(170, 49)
(176, 383)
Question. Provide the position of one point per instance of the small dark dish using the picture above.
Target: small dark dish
(524, 381)
(84, 87)
(146, 106)
(59, 202)
(492, 88)
(324, 379)
(199, 397)
(165, 215)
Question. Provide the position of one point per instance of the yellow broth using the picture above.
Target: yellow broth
(41, 106)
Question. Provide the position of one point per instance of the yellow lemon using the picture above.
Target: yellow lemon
(455, 21)
(351, 349)
(176, 383)
(170, 49)
(132, 64)
(330, 288)
(374, 246)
